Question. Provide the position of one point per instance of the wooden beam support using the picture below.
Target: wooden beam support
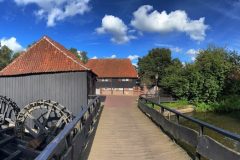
(14, 155)
(6, 140)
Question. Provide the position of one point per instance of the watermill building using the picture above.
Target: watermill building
(47, 70)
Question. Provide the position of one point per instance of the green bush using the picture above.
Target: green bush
(229, 103)
(226, 104)
(205, 107)
(177, 105)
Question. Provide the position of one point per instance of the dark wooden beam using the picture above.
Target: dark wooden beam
(6, 140)
(14, 155)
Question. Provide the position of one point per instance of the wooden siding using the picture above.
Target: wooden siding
(115, 83)
(69, 89)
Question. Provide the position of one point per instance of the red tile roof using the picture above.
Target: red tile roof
(115, 68)
(45, 56)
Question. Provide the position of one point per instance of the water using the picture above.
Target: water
(227, 121)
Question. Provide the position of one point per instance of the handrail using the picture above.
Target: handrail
(199, 122)
(49, 150)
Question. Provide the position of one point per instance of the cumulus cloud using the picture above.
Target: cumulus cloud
(116, 27)
(57, 10)
(113, 56)
(12, 44)
(148, 20)
(193, 58)
(133, 57)
(192, 52)
(95, 57)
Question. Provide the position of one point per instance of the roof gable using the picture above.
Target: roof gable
(44, 56)
(112, 68)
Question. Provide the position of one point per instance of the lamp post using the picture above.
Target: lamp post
(156, 91)
(156, 85)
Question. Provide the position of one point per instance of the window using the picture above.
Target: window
(104, 80)
(125, 80)
(106, 89)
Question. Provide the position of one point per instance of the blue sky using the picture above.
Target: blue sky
(126, 28)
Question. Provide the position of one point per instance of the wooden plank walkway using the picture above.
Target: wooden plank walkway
(125, 133)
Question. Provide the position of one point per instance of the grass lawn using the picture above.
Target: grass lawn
(181, 104)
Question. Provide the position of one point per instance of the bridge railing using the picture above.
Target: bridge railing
(72, 141)
(204, 145)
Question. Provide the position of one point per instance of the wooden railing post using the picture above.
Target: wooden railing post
(207, 146)
(162, 110)
(177, 118)
(200, 134)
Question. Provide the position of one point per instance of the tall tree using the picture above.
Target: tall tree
(5, 56)
(232, 83)
(214, 66)
(153, 64)
(82, 55)
(15, 55)
(202, 81)
(175, 82)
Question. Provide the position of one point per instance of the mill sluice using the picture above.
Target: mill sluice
(25, 133)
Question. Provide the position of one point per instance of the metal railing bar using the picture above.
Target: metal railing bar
(199, 122)
(49, 150)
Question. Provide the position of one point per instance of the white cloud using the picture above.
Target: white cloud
(57, 10)
(113, 56)
(176, 49)
(193, 58)
(163, 45)
(171, 47)
(116, 27)
(95, 57)
(135, 64)
(192, 52)
(133, 57)
(12, 44)
(149, 20)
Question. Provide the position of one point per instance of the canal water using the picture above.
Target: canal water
(227, 121)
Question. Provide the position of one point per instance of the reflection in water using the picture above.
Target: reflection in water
(227, 121)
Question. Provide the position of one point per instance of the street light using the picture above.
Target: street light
(156, 91)
(156, 77)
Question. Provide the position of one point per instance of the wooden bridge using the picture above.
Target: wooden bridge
(124, 132)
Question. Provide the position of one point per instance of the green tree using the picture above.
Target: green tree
(5, 56)
(232, 83)
(81, 55)
(201, 81)
(195, 81)
(214, 65)
(153, 64)
(84, 58)
(15, 55)
(175, 82)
